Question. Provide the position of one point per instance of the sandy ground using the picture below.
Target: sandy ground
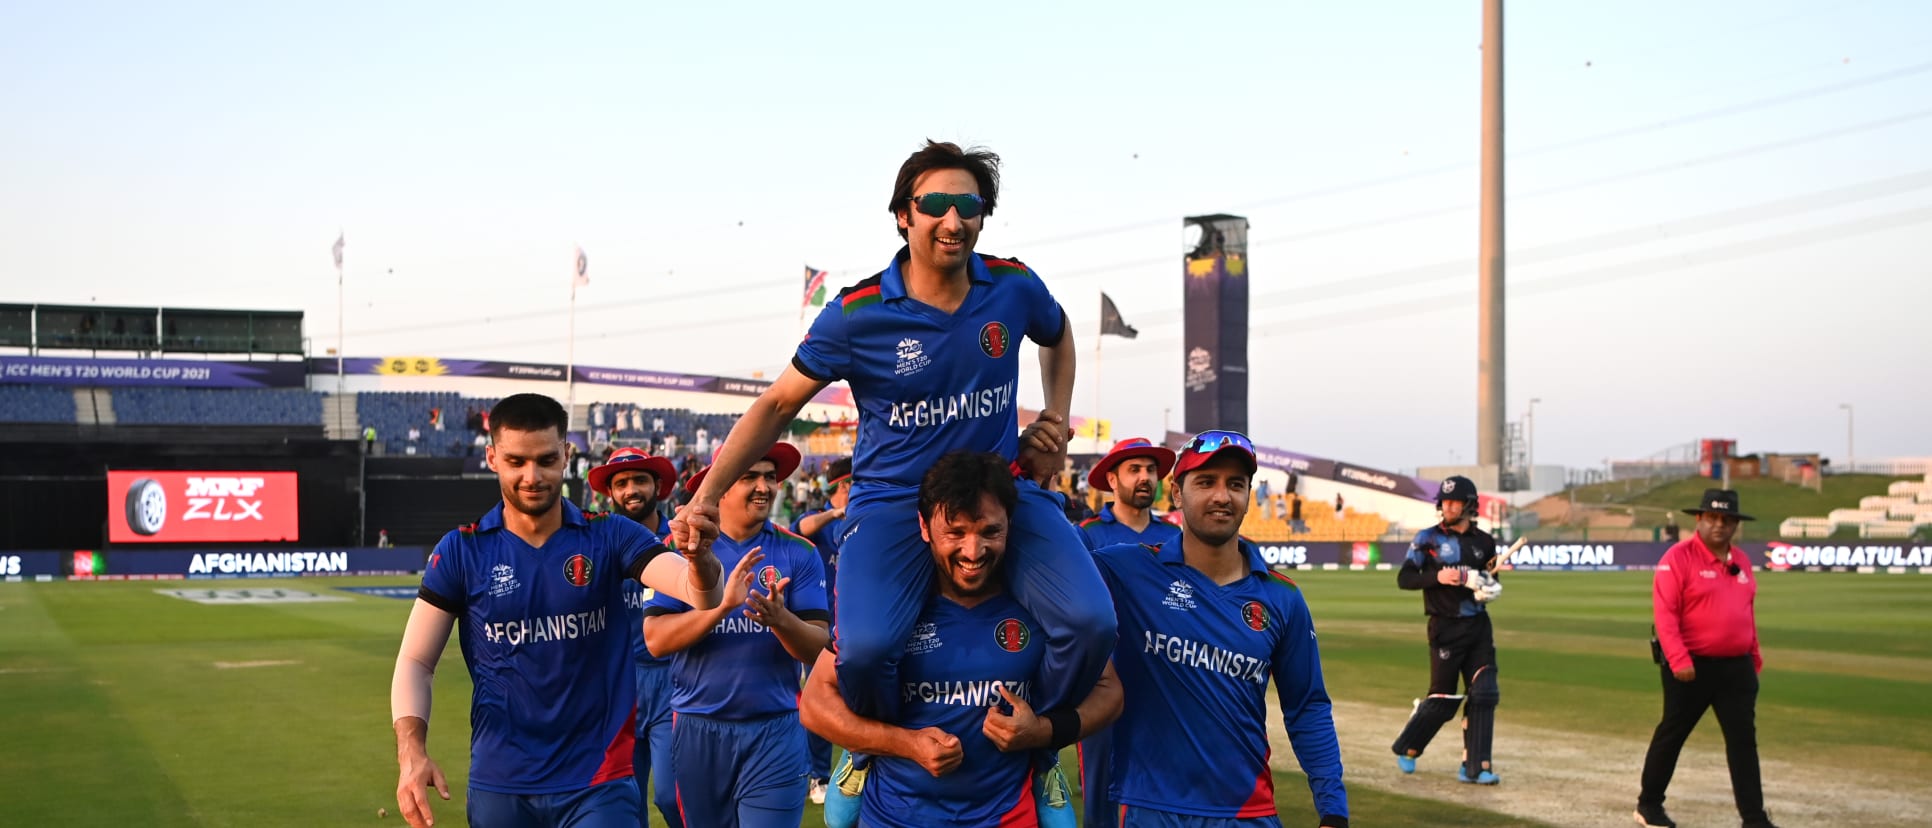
(1557, 777)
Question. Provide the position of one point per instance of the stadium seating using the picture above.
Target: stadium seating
(36, 404)
(204, 406)
(1901, 512)
(394, 413)
(1318, 516)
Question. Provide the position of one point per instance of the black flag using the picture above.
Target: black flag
(1110, 321)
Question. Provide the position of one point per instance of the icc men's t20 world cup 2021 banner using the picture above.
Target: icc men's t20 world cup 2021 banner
(1214, 309)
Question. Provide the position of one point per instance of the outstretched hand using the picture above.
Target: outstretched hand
(768, 608)
(738, 583)
(694, 527)
(419, 773)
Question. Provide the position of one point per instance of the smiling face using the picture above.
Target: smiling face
(1214, 499)
(967, 550)
(941, 244)
(633, 494)
(529, 468)
(749, 499)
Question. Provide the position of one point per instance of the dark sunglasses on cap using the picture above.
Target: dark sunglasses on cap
(1209, 442)
(936, 204)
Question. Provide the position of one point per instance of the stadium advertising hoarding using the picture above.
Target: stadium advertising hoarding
(200, 506)
(233, 562)
(32, 565)
(1614, 556)
(179, 373)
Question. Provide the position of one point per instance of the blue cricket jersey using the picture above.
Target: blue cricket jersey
(1105, 530)
(740, 669)
(927, 382)
(954, 664)
(542, 633)
(1205, 653)
(636, 594)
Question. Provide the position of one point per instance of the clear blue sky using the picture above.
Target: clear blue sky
(1718, 212)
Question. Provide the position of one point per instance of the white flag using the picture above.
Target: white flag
(338, 250)
(583, 268)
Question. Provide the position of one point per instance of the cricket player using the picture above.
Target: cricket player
(737, 749)
(635, 481)
(1204, 626)
(1450, 563)
(539, 588)
(963, 751)
(930, 347)
(1133, 472)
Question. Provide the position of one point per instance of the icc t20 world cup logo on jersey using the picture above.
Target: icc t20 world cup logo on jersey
(768, 578)
(1256, 615)
(577, 570)
(994, 340)
(1011, 635)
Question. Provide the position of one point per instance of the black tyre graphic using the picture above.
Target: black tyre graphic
(147, 506)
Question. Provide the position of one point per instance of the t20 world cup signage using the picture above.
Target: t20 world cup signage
(1214, 312)
(200, 506)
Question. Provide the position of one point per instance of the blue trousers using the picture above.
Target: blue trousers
(1096, 773)
(886, 572)
(613, 804)
(652, 759)
(733, 773)
(1133, 816)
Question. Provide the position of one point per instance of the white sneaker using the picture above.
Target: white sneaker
(818, 792)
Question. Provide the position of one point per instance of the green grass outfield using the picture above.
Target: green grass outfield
(114, 712)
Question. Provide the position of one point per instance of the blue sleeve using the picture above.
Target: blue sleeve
(1086, 537)
(826, 353)
(1046, 321)
(805, 595)
(444, 584)
(635, 545)
(1305, 708)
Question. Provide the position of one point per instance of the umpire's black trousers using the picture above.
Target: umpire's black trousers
(1730, 687)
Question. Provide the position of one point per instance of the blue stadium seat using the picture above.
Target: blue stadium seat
(36, 404)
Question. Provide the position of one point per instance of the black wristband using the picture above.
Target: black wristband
(1332, 821)
(1066, 727)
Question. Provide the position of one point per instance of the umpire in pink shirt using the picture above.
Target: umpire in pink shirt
(1702, 600)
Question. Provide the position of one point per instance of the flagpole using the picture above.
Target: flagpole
(340, 381)
(570, 361)
(1097, 340)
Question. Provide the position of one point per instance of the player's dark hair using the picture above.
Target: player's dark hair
(528, 412)
(938, 155)
(841, 467)
(958, 481)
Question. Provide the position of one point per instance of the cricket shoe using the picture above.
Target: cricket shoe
(1406, 763)
(1653, 816)
(1483, 778)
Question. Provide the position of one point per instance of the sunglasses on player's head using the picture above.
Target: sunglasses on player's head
(936, 204)
(1209, 442)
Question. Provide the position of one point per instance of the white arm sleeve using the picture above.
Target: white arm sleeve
(672, 575)
(424, 638)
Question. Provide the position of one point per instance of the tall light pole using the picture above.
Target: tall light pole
(1490, 369)
(1851, 458)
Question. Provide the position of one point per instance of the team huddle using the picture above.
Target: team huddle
(971, 634)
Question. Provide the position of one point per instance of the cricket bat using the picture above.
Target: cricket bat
(1503, 558)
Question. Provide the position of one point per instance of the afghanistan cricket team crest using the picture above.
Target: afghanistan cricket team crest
(1011, 635)
(768, 578)
(577, 570)
(1256, 615)
(994, 340)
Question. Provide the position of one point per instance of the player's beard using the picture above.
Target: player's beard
(643, 510)
(521, 499)
(1141, 497)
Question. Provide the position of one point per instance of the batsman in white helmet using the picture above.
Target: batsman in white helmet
(1452, 564)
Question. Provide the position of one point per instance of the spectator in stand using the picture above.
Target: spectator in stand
(1338, 505)
(382, 539)
(436, 418)
(1262, 495)
(414, 435)
(657, 424)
